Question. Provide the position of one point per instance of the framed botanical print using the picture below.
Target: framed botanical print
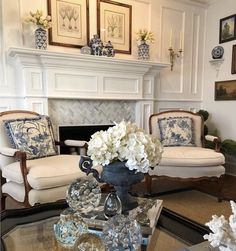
(114, 21)
(227, 29)
(70, 22)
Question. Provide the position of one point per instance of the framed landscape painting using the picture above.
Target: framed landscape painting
(227, 28)
(114, 24)
(225, 90)
(70, 22)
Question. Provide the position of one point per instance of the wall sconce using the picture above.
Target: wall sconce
(173, 56)
(172, 53)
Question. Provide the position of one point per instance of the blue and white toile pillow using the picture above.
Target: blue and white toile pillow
(32, 135)
(176, 131)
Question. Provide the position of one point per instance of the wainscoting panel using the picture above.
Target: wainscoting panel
(186, 24)
(72, 83)
(115, 85)
(172, 20)
(195, 54)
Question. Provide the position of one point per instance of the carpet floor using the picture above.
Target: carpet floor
(195, 205)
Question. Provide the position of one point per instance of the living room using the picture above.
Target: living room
(75, 89)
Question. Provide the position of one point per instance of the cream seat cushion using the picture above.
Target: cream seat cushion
(17, 191)
(190, 157)
(48, 172)
(188, 171)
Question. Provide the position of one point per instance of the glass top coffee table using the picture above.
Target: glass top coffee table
(31, 229)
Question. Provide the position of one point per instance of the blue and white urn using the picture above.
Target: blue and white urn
(143, 50)
(40, 38)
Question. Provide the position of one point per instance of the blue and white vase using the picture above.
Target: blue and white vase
(41, 38)
(143, 50)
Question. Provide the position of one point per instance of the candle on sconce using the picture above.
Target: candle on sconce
(170, 45)
(180, 41)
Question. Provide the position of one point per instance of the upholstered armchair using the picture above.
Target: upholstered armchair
(184, 157)
(32, 171)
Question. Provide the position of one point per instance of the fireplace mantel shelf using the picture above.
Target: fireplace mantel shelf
(29, 56)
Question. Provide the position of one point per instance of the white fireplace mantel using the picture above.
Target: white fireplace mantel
(49, 74)
(28, 57)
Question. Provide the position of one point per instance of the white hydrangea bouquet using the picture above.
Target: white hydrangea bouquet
(145, 35)
(127, 143)
(38, 19)
(223, 232)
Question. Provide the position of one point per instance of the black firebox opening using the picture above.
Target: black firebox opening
(80, 132)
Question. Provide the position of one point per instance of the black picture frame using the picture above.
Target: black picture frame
(225, 90)
(227, 29)
(233, 67)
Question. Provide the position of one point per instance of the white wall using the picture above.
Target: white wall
(180, 88)
(222, 113)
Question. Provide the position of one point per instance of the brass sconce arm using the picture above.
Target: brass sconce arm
(173, 56)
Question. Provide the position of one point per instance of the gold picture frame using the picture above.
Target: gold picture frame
(70, 22)
(114, 23)
(225, 90)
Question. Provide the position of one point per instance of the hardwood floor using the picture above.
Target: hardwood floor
(167, 186)
(228, 190)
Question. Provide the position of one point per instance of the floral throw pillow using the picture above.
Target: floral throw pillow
(32, 135)
(176, 131)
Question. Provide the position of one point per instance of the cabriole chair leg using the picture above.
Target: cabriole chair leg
(220, 183)
(3, 202)
(148, 181)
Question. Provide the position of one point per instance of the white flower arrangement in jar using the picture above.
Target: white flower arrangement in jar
(38, 19)
(145, 35)
(42, 24)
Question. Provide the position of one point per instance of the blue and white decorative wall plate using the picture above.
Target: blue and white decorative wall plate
(217, 52)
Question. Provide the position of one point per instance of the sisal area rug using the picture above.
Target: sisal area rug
(196, 205)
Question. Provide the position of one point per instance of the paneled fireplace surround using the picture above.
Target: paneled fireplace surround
(76, 89)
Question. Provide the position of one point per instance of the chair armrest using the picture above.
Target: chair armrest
(216, 140)
(7, 151)
(21, 156)
(77, 143)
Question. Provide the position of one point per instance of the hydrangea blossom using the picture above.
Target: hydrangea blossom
(38, 19)
(125, 142)
(223, 232)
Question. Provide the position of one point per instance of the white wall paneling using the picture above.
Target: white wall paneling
(184, 83)
(143, 111)
(161, 106)
(39, 105)
(172, 23)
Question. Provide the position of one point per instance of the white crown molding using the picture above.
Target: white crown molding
(199, 3)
